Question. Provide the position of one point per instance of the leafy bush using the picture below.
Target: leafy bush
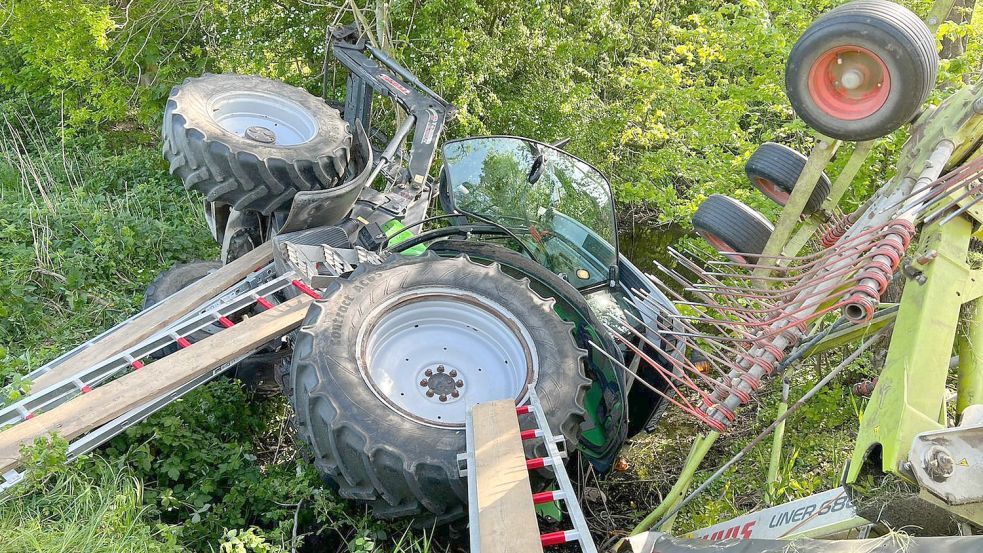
(200, 460)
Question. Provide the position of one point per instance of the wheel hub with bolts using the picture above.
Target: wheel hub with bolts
(849, 82)
(442, 385)
(260, 134)
(429, 353)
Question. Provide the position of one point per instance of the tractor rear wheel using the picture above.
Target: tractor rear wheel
(774, 169)
(386, 364)
(862, 70)
(732, 228)
(251, 142)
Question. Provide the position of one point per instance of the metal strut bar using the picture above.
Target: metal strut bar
(390, 79)
(86, 379)
(427, 110)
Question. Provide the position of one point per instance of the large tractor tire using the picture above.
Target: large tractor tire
(732, 228)
(862, 70)
(385, 365)
(572, 303)
(251, 142)
(774, 169)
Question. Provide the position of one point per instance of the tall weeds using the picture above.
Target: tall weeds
(99, 512)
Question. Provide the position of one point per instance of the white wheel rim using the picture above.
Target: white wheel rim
(429, 353)
(263, 118)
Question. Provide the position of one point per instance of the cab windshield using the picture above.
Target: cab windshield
(557, 204)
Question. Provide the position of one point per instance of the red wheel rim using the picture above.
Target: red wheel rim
(770, 189)
(722, 247)
(849, 83)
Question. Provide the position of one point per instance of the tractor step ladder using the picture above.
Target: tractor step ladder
(501, 505)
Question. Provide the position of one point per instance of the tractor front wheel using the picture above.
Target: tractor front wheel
(251, 142)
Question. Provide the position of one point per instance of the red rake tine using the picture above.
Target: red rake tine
(677, 316)
(694, 412)
(682, 364)
(667, 375)
(688, 344)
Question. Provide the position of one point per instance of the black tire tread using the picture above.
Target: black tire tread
(171, 281)
(350, 453)
(782, 166)
(176, 278)
(911, 35)
(225, 169)
(741, 227)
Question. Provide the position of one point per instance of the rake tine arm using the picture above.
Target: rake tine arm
(695, 412)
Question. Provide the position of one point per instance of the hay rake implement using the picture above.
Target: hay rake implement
(750, 318)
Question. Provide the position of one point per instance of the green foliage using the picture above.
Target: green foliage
(56, 47)
(666, 98)
(201, 456)
(247, 541)
(82, 232)
(89, 62)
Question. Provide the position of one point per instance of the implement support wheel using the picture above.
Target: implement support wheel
(732, 228)
(862, 70)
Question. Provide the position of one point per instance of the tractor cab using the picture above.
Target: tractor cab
(557, 206)
(559, 211)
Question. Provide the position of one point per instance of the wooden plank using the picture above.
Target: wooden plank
(103, 404)
(168, 311)
(506, 515)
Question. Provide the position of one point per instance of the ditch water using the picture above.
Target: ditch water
(644, 244)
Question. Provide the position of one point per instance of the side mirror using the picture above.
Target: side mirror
(561, 144)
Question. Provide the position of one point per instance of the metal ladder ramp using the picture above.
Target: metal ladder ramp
(97, 390)
(115, 402)
(501, 505)
(86, 379)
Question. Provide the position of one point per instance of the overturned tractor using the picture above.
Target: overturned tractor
(387, 324)
(516, 291)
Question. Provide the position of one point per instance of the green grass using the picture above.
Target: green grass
(99, 510)
(82, 232)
